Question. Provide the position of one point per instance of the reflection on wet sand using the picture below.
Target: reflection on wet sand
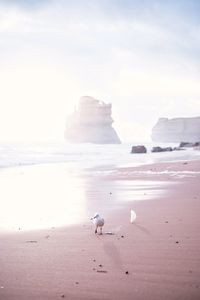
(39, 197)
(45, 196)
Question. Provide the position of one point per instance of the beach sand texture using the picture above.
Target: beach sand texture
(156, 257)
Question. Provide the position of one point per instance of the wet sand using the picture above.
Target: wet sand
(157, 257)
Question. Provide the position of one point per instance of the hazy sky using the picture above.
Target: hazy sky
(142, 56)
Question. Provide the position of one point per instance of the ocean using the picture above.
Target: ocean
(82, 156)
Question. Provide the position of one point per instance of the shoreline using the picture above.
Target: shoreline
(161, 171)
(160, 251)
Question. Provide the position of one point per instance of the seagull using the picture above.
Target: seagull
(98, 222)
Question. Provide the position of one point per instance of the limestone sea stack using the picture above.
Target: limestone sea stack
(91, 122)
(177, 130)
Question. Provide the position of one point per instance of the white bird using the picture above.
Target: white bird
(98, 222)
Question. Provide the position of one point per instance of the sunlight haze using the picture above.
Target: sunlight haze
(141, 56)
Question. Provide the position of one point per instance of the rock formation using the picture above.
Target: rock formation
(161, 149)
(139, 149)
(189, 145)
(177, 130)
(91, 122)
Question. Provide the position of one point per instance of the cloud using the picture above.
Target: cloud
(25, 4)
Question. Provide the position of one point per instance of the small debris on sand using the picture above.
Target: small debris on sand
(100, 266)
(122, 236)
(31, 241)
(77, 282)
(127, 272)
(101, 271)
(63, 296)
(177, 242)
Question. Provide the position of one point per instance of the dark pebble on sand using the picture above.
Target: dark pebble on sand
(122, 236)
(100, 266)
(127, 272)
(77, 282)
(166, 222)
(63, 296)
(177, 242)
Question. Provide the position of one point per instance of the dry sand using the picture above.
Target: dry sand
(157, 257)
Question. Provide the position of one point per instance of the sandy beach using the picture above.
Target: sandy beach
(157, 257)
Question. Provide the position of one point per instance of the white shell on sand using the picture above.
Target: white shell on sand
(133, 216)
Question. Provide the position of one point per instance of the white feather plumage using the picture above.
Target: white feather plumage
(98, 221)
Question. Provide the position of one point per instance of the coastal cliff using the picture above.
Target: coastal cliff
(177, 130)
(91, 122)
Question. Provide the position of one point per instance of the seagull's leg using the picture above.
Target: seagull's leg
(101, 230)
(96, 230)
